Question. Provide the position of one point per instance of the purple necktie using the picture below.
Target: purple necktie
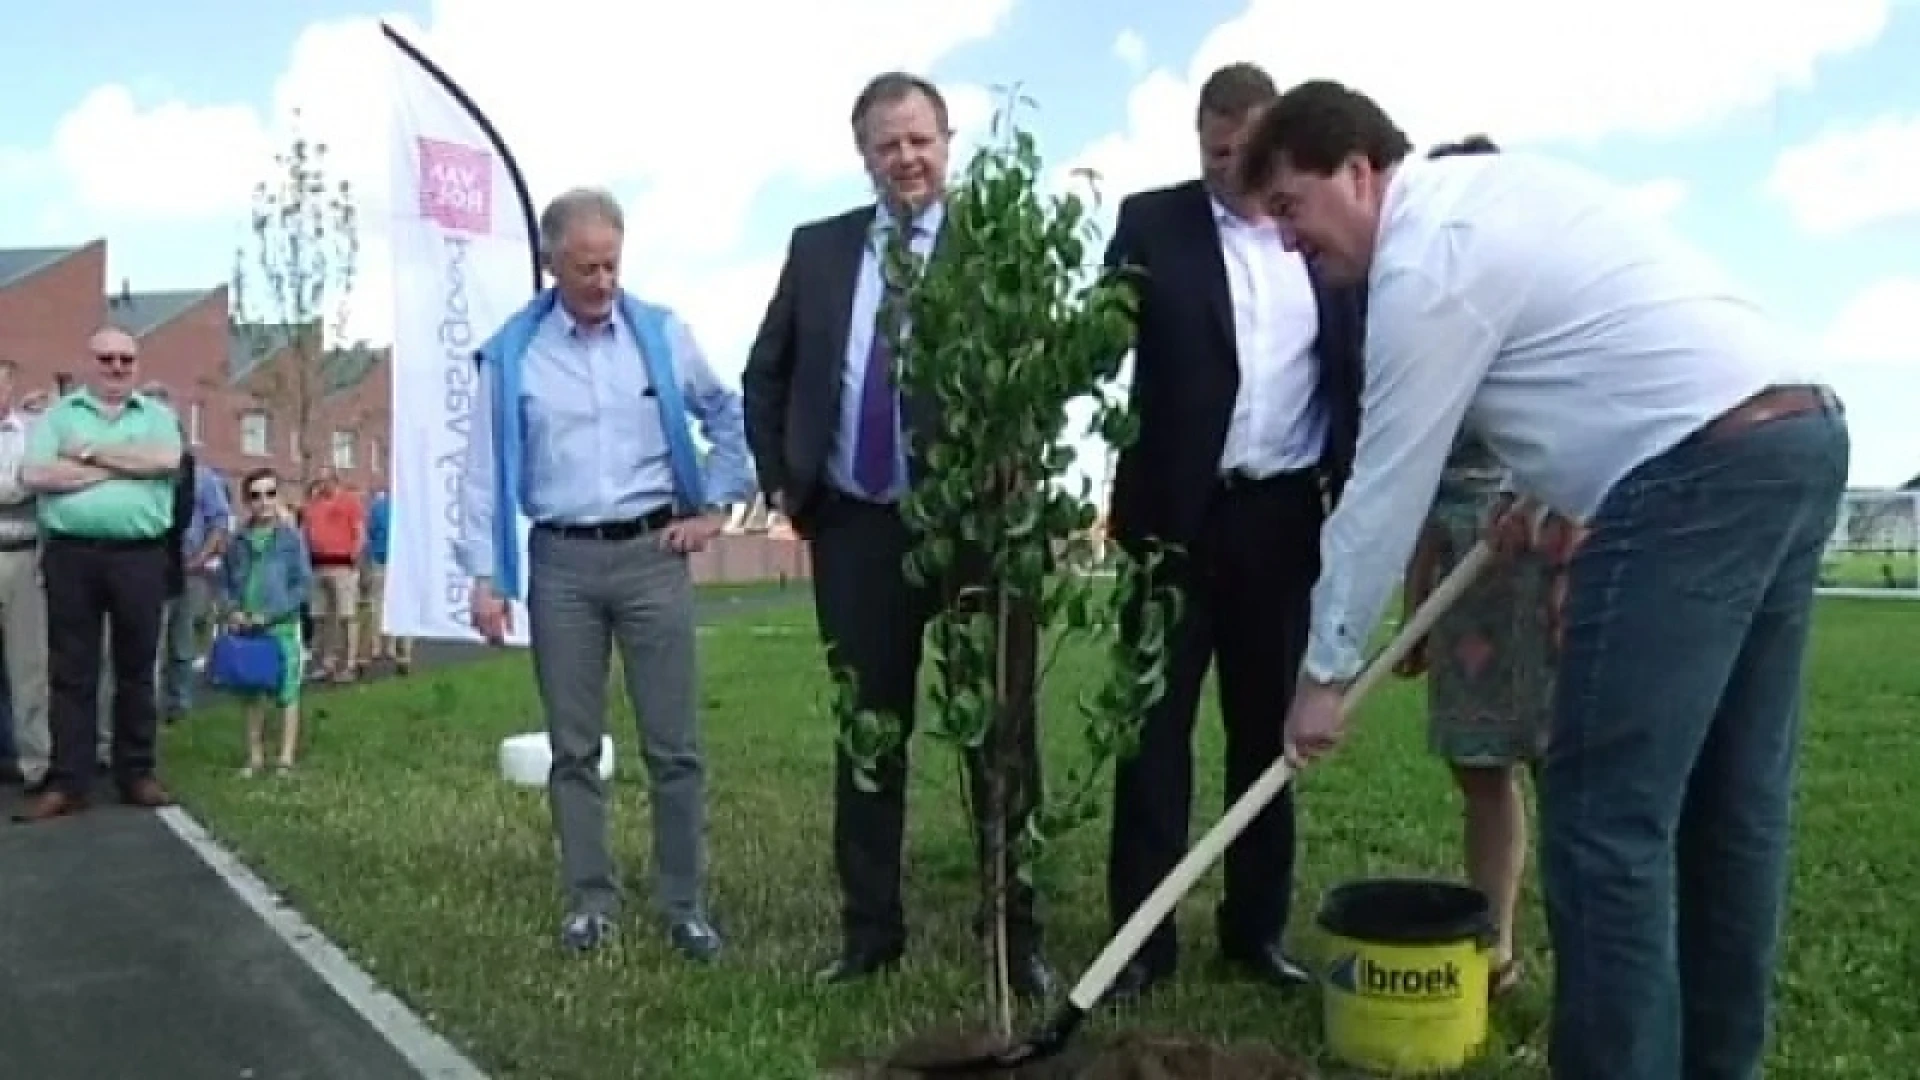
(876, 449)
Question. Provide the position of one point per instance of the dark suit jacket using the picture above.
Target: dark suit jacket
(183, 509)
(792, 381)
(1186, 369)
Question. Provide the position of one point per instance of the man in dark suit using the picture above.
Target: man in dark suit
(829, 433)
(1246, 377)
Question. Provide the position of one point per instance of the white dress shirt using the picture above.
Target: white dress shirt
(1575, 334)
(1277, 424)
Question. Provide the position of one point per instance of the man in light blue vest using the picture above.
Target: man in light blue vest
(580, 422)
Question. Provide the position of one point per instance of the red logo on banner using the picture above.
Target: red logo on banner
(456, 186)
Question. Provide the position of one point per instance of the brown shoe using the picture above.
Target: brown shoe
(49, 804)
(146, 792)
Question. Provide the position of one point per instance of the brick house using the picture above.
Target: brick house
(348, 419)
(50, 300)
(236, 387)
(231, 393)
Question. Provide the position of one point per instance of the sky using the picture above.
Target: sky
(1782, 136)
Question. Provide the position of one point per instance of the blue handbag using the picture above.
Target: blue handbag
(246, 663)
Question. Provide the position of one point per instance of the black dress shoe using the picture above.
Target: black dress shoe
(694, 939)
(585, 931)
(1030, 977)
(854, 964)
(1134, 983)
(1268, 965)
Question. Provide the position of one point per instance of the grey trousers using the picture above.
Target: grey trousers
(186, 623)
(584, 596)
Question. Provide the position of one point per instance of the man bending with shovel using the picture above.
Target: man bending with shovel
(1624, 384)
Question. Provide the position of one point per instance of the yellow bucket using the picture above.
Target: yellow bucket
(1404, 983)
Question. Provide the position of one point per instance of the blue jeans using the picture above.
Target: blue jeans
(1667, 784)
(185, 623)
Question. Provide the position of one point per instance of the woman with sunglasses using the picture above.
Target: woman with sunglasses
(266, 577)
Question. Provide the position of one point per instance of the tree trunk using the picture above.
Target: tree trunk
(997, 768)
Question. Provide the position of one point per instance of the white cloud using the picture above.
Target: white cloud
(1879, 404)
(722, 301)
(1871, 354)
(1880, 326)
(1130, 49)
(1440, 72)
(1851, 177)
(689, 134)
(1658, 198)
(165, 161)
(1157, 146)
(694, 147)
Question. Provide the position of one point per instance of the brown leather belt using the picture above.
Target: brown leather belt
(1773, 403)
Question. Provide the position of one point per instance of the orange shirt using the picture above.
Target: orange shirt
(336, 528)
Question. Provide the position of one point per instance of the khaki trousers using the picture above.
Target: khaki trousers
(23, 627)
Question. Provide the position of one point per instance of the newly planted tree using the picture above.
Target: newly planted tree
(1003, 331)
(291, 290)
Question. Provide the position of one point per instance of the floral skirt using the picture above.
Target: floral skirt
(1491, 657)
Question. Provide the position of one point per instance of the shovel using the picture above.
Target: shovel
(1053, 1037)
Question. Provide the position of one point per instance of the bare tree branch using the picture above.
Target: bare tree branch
(292, 292)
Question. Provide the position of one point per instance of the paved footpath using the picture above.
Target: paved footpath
(132, 947)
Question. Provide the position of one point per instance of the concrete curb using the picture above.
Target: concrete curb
(423, 1048)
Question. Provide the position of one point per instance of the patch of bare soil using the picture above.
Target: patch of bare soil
(1131, 1056)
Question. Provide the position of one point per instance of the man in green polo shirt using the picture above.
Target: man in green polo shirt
(102, 460)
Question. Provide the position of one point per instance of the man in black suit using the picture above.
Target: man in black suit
(1246, 376)
(828, 430)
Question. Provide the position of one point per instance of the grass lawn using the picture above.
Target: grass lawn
(401, 842)
(1894, 569)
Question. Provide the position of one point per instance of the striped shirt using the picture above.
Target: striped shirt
(18, 525)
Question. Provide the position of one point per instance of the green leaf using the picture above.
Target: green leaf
(1015, 337)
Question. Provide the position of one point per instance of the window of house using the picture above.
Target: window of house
(293, 446)
(253, 434)
(376, 457)
(193, 423)
(343, 449)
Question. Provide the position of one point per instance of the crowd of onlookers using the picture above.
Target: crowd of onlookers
(232, 552)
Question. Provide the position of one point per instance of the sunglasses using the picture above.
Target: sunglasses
(262, 494)
(114, 360)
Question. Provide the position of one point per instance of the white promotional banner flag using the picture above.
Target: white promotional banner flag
(464, 259)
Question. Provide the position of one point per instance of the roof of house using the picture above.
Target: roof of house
(249, 344)
(142, 313)
(16, 263)
(340, 369)
(343, 369)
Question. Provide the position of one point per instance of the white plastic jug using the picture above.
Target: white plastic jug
(526, 759)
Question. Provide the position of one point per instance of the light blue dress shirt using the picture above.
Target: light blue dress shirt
(867, 293)
(594, 447)
(595, 452)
